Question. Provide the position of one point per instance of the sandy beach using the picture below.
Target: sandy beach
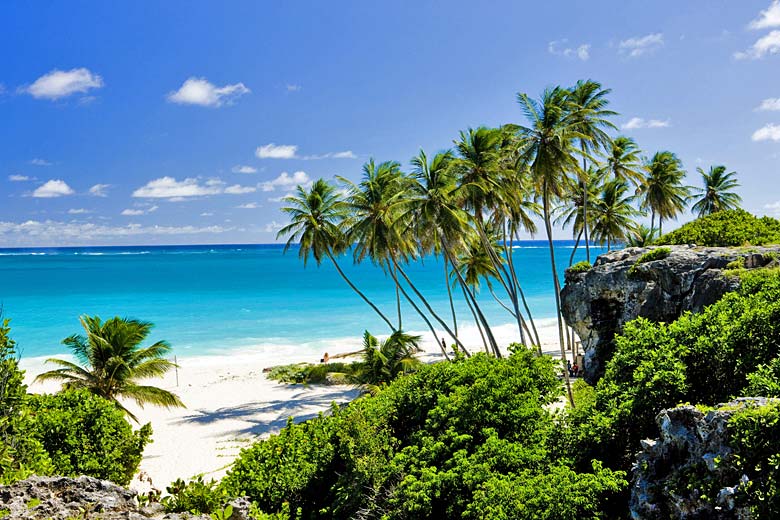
(231, 403)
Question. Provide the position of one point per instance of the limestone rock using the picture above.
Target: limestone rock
(598, 302)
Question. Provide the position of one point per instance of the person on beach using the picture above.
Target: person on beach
(325, 358)
(575, 370)
(568, 367)
(443, 344)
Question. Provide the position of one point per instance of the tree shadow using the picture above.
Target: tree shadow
(266, 417)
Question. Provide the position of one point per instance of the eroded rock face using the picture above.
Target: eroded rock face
(673, 473)
(598, 302)
(61, 498)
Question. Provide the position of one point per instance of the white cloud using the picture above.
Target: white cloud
(99, 190)
(639, 45)
(207, 214)
(60, 83)
(78, 211)
(346, 154)
(273, 151)
(273, 227)
(773, 207)
(56, 232)
(249, 205)
(291, 87)
(53, 188)
(241, 168)
(770, 132)
(198, 91)
(638, 122)
(40, 162)
(169, 188)
(237, 189)
(286, 181)
(560, 48)
(134, 212)
(19, 178)
(769, 104)
(768, 18)
(765, 46)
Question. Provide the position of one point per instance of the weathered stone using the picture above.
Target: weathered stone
(667, 471)
(599, 301)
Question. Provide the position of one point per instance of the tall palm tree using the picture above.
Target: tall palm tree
(316, 216)
(623, 161)
(716, 195)
(546, 146)
(591, 115)
(613, 214)
(571, 209)
(112, 363)
(662, 192)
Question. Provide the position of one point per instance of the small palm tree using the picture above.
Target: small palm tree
(112, 362)
(716, 195)
(613, 214)
(662, 191)
(386, 360)
(641, 236)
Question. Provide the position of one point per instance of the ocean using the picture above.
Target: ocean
(218, 299)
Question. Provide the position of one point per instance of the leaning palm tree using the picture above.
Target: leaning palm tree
(663, 192)
(546, 146)
(613, 214)
(316, 216)
(623, 161)
(112, 363)
(716, 195)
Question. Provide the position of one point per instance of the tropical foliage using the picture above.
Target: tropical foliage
(716, 194)
(113, 363)
(726, 228)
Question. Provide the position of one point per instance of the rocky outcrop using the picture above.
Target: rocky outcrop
(599, 301)
(61, 498)
(678, 474)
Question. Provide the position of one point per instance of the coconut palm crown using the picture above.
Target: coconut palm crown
(112, 363)
(717, 194)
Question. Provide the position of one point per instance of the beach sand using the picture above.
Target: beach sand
(231, 403)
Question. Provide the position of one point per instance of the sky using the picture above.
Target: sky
(186, 122)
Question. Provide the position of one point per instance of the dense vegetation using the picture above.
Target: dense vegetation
(72, 433)
(726, 228)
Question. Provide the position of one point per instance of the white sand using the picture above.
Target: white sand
(230, 403)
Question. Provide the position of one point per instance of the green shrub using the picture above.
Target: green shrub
(739, 263)
(197, 497)
(309, 373)
(658, 253)
(85, 434)
(580, 267)
(726, 228)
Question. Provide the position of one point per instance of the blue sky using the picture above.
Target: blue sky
(185, 122)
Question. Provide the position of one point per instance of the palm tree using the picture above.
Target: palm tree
(716, 195)
(112, 362)
(662, 191)
(613, 214)
(316, 216)
(571, 210)
(589, 111)
(623, 161)
(547, 148)
(641, 236)
(384, 361)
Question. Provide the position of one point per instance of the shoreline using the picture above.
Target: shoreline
(231, 403)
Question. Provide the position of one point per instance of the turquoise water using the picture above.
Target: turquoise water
(211, 299)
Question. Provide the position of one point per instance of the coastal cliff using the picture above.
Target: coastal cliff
(654, 283)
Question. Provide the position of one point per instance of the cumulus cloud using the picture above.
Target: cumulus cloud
(638, 122)
(237, 189)
(640, 45)
(241, 168)
(19, 178)
(768, 18)
(249, 205)
(561, 48)
(99, 190)
(53, 188)
(769, 104)
(40, 162)
(134, 212)
(78, 211)
(767, 45)
(770, 132)
(63, 83)
(274, 151)
(168, 188)
(273, 227)
(198, 91)
(56, 232)
(286, 181)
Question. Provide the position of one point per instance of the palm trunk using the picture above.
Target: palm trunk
(398, 303)
(585, 204)
(652, 221)
(574, 251)
(557, 287)
(449, 295)
(365, 299)
(528, 312)
(476, 321)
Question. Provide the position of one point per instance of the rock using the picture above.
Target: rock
(599, 301)
(667, 470)
(61, 498)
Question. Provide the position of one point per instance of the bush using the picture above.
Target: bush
(726, 228)
(84, 434)
(196, 496)
(428, 445)
(580, 267)
(658, 253)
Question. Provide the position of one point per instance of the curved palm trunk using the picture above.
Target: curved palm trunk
(557, 287)
(585, 204)
(365, 299)
(476, 321)
(528, 309)
(398, 303)
(449, 294)
(574, 251)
